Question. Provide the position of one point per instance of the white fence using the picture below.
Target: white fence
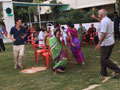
(86, 25)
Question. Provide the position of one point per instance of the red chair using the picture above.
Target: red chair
(92, 39)
(30, 38)
(38, 52)
(46, 56)
(84, 40)
(95, 33)
(66, 52)
(63, 43)
(67, 41)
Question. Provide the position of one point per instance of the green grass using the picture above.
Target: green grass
(77, 78)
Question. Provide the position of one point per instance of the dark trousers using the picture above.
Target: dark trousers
(96, 40)
(106, 62)
(117, 32)
(88, 37)
(2, 45)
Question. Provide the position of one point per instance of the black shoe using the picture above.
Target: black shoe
(102, 75)
(115, 75)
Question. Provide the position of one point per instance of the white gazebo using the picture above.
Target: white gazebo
(9, 19)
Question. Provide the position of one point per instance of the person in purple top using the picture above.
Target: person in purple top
(74, 44)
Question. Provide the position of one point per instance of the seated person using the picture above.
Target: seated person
(47, 36)
(81, 32)
(36, 36)
(64, 35)
(91, 30)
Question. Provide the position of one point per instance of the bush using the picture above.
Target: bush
(1, 15)
(111, 15)
(76, 16)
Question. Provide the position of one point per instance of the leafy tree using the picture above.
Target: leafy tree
(23, 0)
(23, 12)
(34, 9)
(118, 6)
(1, 14)
(55, 9)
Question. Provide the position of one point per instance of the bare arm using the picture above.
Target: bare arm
(101, 40)
(57, 35)
(94, 17)
(69, 34)
(12, 38)
(23, 36)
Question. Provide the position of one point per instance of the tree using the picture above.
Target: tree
(23, 12)
(1, 11)
(1, 15)
(55, 9)
(33, 9)
(23, 0)
(118, 6)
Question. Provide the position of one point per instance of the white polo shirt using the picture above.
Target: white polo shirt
(106, 27)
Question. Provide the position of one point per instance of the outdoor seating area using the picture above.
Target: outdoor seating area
(59, 44)
(76, 78)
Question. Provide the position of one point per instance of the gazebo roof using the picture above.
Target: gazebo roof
(36, 4)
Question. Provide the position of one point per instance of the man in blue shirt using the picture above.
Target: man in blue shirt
(17, 35)
(1, 40)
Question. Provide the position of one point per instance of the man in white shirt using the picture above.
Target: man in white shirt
(106, 43)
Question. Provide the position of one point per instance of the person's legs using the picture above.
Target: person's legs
(109, 63)
(118, 32)
(65, 39)
(21, 55)
(96, 39)
(88, 38)
(104, 58)
(106, 62)
(2, 45)
(115, 32)
(16, 55)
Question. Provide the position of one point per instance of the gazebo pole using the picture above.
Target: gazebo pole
(29, 17)
(39, 16)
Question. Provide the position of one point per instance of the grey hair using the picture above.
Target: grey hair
(103, 12)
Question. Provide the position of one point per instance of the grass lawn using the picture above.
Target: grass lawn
(77, 78)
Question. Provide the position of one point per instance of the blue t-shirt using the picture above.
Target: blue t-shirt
(17, 35)
(1, 33)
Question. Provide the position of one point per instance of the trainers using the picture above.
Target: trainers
(102, 75)
(115, 75)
